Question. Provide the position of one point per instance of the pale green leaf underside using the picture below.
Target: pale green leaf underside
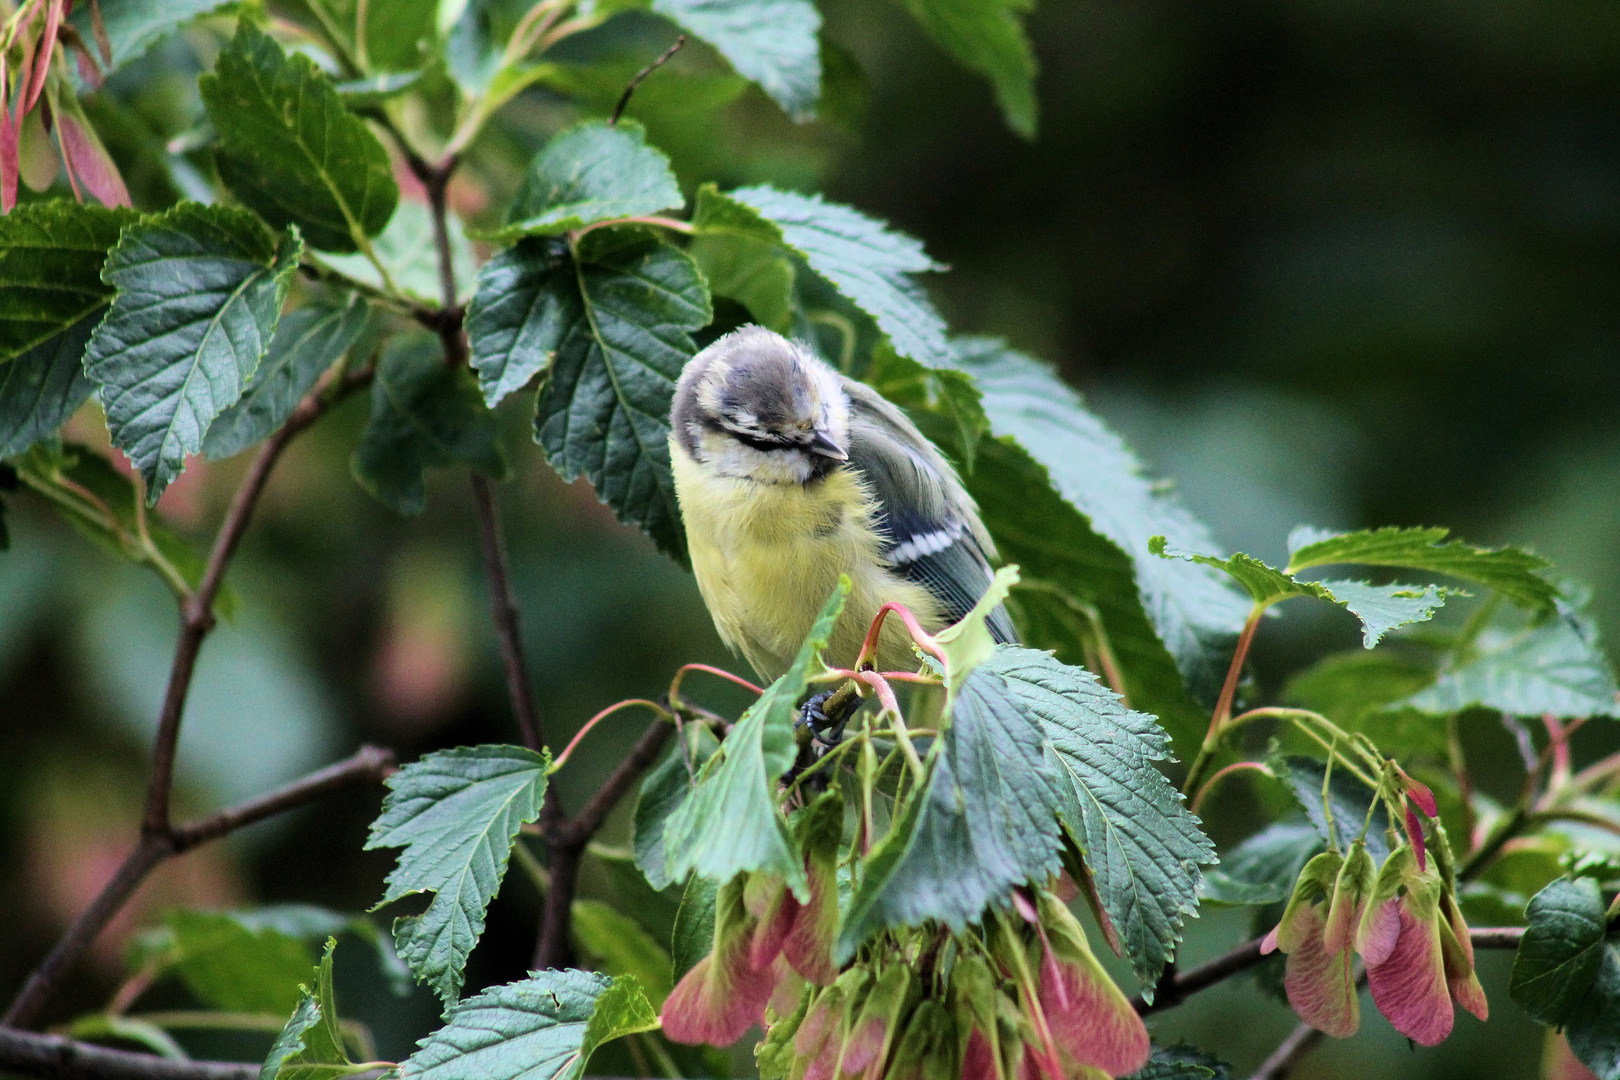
(731, 822)
(456, 814)
(1558, 667)
(772, 42)
(200, 290)
(1512, 571)
(587, 174)
(1141, 844)
(544, 1027)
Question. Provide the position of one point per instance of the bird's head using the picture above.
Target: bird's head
(756, 406)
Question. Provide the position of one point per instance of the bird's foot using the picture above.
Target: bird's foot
(823, 729)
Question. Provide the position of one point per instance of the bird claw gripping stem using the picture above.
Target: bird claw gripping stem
(826, 726)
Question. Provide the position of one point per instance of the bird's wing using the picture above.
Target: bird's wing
(932, 532)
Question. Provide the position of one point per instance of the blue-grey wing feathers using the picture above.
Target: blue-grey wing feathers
(933, 535)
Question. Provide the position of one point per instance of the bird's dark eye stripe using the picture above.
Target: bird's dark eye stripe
(761, 442)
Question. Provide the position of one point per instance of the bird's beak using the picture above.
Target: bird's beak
(827, 448)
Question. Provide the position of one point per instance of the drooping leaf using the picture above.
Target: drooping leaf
(742, 257)
(526, 304)
(693, 936)
(1511, 571)
(1143, 847)
(544, 1027)
(1067, 500)
(1593, 1029)
(310, 1047)
(772, 42)
(987, 36)
(51, 255)
(133, 26)
(231, 965)
(604, 409)
(623, 948)
(44, 386)
(290, 149)
(423, 415)
(1561, 952)
(406, 249)
(200, 290)
(1263, 869)
(1557, 666)
(1381, 608)
(984, 820)
(662, 793)
(587, 174)
(307, 342)
(730, 822)
(456, 814)
(1348, 800)
(867, 261)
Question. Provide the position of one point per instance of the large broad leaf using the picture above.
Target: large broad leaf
(1381, 608)
(133, 26)
(604, 408)
(1557, 666)
(51, 254)
(869, 263)
(44, 386)
(621, 946)
(987, 36)
(1263, 869)
(1063, 448)
(1562, 950)
(525, 306)
(544, 1027)
(456, 814)
(1593, 1028)
(772, 42)
(663, 792)
(311, 1047)
(1141, 844)
(1511, 571)
(587, 174)
(199, 293)
(984, 821)
(307, 342)
(742, 257)
(291, 149)
(731, 822)
(231, 964)
(423, 415)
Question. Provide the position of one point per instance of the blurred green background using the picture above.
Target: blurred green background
(1340, 263)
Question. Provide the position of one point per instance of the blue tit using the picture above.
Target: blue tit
(788, 475)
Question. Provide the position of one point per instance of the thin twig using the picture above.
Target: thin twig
(68, 1059)
(1301, 1041)
(503, 612)
(624, 98)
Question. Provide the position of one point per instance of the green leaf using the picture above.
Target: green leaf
(742, 257)
(199, 293)
(44, 386)
(101, 1026)
(867, 261)
(406, 249)
(623, 948)
(945, 403)
(587, 174)
(604, 408)
(1593, 1029)
(423, 415)
(1561, 952)
(526, 304)
(1381, 608)
(772, 42)
(290, 149)
(1067, 500)
(1141, 844)
(1181, 1063)
(1348, 801)
(693, 936)
(983, 822)
(1510, 571)
(731, 822)
(663, 792)
(376, 89)
(307, 342)
(1556, 667)
(544, 1027)
(987, 36)
(1359, 691)
(310, 1047)
(232, 965)
(133, 26)
(51, 254)
(456, 814)
(1263, 869)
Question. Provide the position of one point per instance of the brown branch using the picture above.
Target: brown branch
(1301, 1041)
(578, 832)
(371, 764)
(158, 836)
(67, 1059)
(624, 98)
(503, 612)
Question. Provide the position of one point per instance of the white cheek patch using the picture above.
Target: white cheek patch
(730, 458)
(925, 544)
